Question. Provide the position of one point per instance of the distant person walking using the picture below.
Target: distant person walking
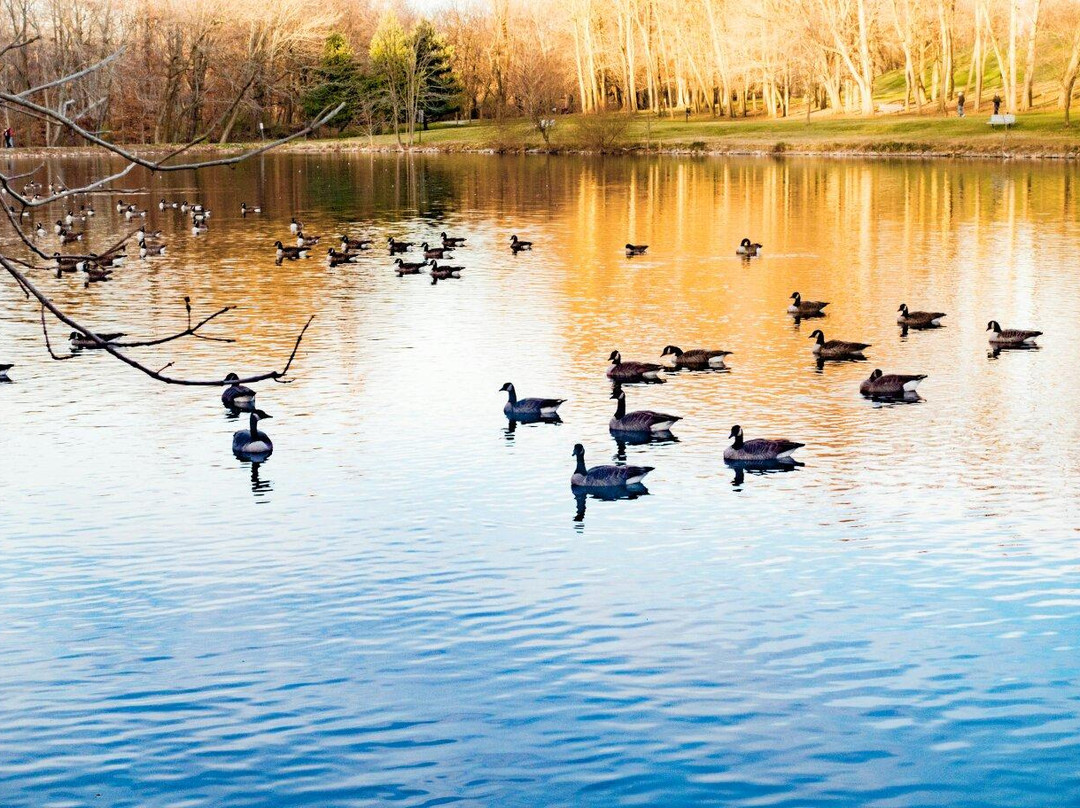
(960, 105)
(997, 104)
(9, 138)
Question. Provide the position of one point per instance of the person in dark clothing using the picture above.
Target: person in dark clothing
(997, 104)
(9, 138)
(960, 105)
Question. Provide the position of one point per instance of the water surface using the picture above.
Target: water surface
(406, 604)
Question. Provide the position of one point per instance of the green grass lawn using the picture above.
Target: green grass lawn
(1037, 133)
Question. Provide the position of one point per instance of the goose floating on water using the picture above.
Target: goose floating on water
(348, 244)
(517, 245)
(289, 253)
(80, 340)
(245, 210)
(237, 396)
(250, 443)
(409, 267)
(636, 249)
(444, 272)
(4, 372)
(435, 252)
(605, 476)
(893, 385)
(529, 408)
(919, 319)
(806, 308)
(837, 349)
(452, 241)
(696, 358)
(748, 248)
(632, 371)
(759, 450)
(1014, 337)
(641, 421)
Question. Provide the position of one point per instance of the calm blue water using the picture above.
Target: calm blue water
(407, 605)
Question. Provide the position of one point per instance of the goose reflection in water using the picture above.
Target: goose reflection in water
(512, 424)
(259, 487)
(759, 470)
(624, 439)
(997, 350)
(581, 496)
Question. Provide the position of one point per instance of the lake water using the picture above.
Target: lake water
(407, 604)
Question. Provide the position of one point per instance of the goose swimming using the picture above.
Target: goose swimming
(237, 396)
(526, 408)
(919, 319)
(806, 308)
(759, 450)
(696, 358)
(837, 349)
(893, 385)
(1011, 337)
(605, 476)
(250, 443)
(641, 421)
(632, 371)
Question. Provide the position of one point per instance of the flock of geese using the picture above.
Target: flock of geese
(641, 426)
(629, 426)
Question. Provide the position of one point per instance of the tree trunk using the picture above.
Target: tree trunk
(1029, 64)
(1068, 80)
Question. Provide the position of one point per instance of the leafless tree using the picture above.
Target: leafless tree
(64, 87)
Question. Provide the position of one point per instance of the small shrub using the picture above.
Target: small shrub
(601, 132)
(779, 147)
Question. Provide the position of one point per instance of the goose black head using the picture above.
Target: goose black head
(390, 240)
(75, 335)
(259, 415)
(735, 431)
(993, 326)
(232, 377)
(796, 296)
(877, 374)
(903, 308)
(398, 261)
(615, 357)
(513, 240)
(672, 349)
(506, 387)
(278, 244)
(745, 242)
(424, 245)
(818, 335)
(579, 450)
(442, 234)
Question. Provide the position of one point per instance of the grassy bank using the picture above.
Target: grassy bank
(1037, 134)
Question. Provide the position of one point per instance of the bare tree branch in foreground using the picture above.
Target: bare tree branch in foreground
(17, 268)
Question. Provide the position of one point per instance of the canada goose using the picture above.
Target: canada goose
(696, 358)
(236, 396)
(199, 229)
(894, 385)
(198, 218)
(837, 349)
(434, 252)
(516, 245)
(295, 226)
(69, 218)
(748, 248)
(66, 263)
(70, 238)
(306, 241)
(184, 206)
(59, 228)
(354, 243)
(96, 274)
(399, 246)
(40, 231)
(245, 210)
(442, 273)
(80, 340)
(251, 443)
(631, 371)
(4, 372)
(759, 450)
(636, 249)
(408, 268)
(452, 241)
(290, 253)
(918, 319)
(133, 212)
(605, 476)
(806, 308)
(337, 258)
(146, 250)
(120, 205)
(526, 408)
(1010, 336)
(162, 204)
(86, 211)
(141, 235)
(639, 420)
